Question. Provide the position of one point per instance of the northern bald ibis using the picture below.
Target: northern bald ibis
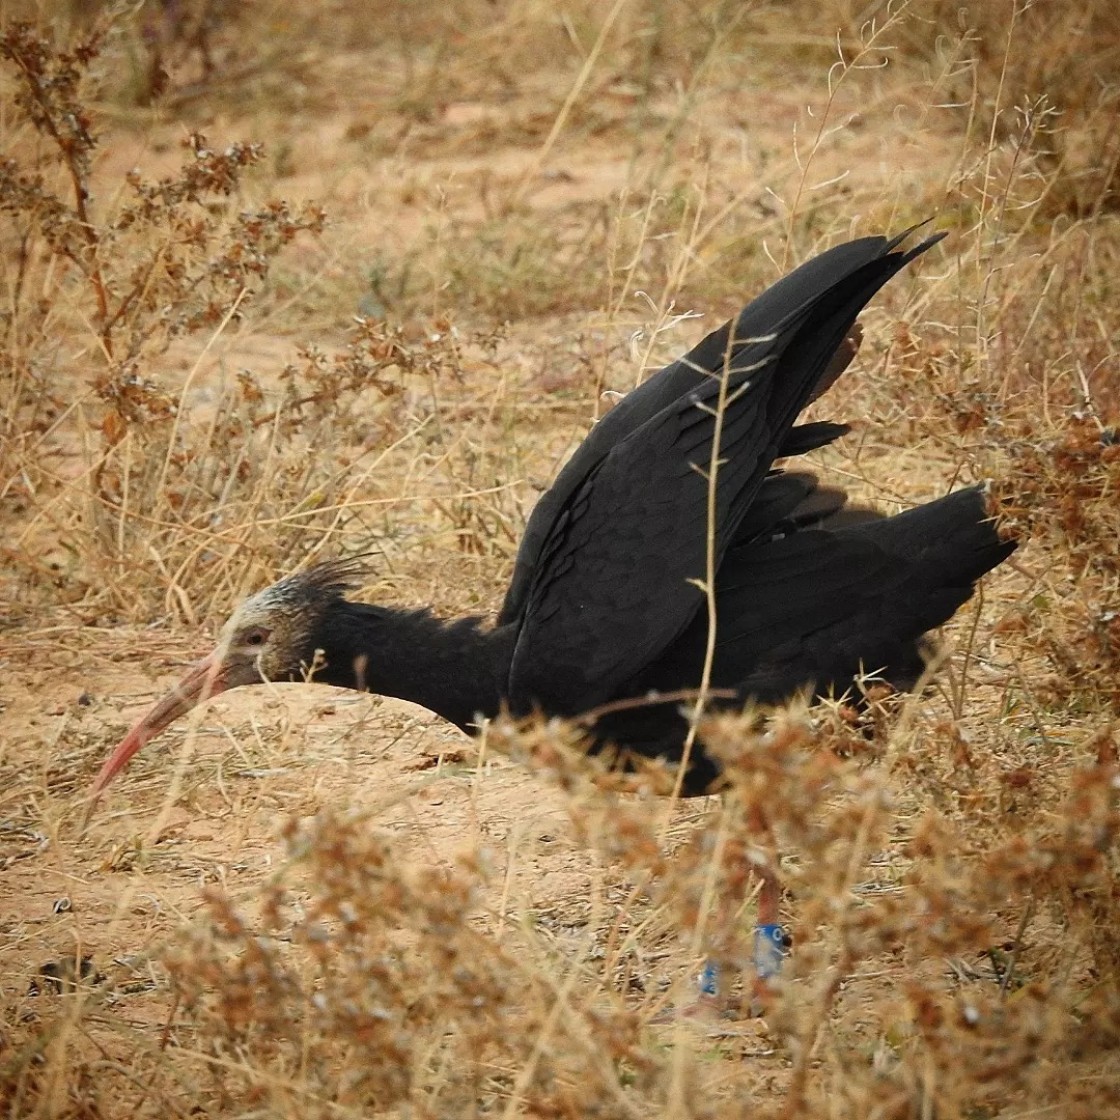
(606, 603)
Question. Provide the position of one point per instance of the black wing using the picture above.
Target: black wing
(610, 585)
(781, 301)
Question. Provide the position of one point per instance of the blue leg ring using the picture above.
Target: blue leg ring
(771, 947)
(709, 979)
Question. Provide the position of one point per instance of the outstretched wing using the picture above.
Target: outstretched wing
(780, 302)
(613, 581)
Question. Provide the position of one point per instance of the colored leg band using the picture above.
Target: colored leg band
(771, 947)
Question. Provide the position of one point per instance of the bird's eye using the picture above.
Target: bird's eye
(256, 637)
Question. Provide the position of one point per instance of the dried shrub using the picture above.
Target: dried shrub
(975, 899)
(365, 983)
(1021, 66)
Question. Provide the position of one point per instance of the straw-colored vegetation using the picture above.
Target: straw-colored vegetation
(283, 280)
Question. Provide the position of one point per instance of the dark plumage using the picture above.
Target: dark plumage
(604, 604)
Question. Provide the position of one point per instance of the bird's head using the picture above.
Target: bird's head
(270, 637)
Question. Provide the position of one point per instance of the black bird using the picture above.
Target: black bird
(605, 604)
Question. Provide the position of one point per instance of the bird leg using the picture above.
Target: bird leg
(771, 942)
(770, 948)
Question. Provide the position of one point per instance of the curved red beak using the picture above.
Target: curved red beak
(204, 680)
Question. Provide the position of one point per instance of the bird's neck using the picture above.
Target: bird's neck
(456, 669)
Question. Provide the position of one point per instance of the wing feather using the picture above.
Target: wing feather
(612, 578)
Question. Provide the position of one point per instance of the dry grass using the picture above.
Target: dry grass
(337, 907)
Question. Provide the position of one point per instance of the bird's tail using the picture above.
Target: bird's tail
(821, 606)
(953, 540)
